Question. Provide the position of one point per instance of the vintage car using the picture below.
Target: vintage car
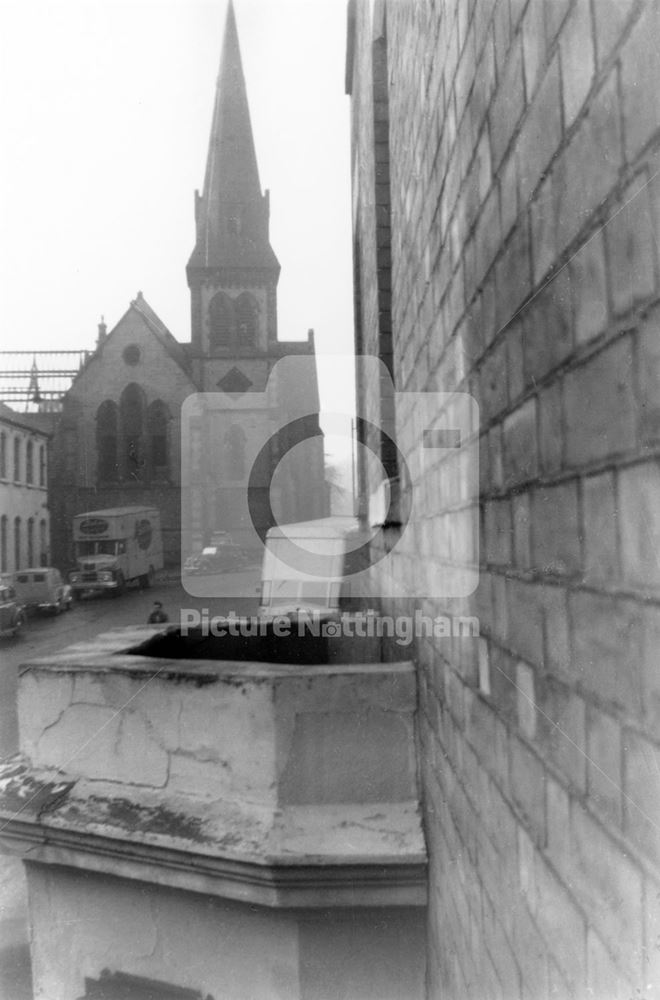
(225, 556)
(12, 614)
(43, 589)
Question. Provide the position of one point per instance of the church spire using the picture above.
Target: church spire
(232, 214)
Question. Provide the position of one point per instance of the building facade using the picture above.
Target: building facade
(119, 437)
(506, 232)
(24, 510)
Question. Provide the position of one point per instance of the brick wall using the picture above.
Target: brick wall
(525, 220)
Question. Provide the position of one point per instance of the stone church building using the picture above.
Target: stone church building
(118, 440)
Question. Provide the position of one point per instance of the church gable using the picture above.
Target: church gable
(137, 348)
(121, 418)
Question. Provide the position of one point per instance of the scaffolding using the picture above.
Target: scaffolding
(36, 381)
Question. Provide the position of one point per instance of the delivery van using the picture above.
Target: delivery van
(42, 589)
(309, 564)
(115, 547)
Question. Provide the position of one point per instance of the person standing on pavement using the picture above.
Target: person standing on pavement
(157, 616)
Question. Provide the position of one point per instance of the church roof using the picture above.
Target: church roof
(232, 213)
(152, 321)
(176, 350)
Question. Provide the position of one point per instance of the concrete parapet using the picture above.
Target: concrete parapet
(266, 787)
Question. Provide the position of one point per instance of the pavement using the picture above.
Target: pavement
(49, 634)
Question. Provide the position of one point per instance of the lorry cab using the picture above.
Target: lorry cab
(42, 589)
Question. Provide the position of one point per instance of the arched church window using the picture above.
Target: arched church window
(106, 440)
(222, 322)
(158, 417)
(131, 412)
(247, 319)
(235, 453)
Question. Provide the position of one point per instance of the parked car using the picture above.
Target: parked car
(12, 614)
(224, 556)
(43, 589)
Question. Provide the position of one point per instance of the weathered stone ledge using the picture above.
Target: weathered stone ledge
(332, 855)
(279, 784)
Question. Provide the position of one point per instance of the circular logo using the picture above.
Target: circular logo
(317, 564)
(143, 534)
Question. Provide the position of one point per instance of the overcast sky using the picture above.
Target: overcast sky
(105, 110)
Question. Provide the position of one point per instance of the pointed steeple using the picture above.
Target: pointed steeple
(33, 388)
(232, 214)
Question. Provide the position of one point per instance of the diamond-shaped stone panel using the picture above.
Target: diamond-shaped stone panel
(235, 382)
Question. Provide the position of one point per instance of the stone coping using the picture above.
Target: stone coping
(106, 654)
(320, 855)
(237, 800)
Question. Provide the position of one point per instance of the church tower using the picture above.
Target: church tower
(232, 276)
(233, 271)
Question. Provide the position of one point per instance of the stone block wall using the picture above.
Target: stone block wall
(524, 141)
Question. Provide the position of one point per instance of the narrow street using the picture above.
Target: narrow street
(49, 634)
